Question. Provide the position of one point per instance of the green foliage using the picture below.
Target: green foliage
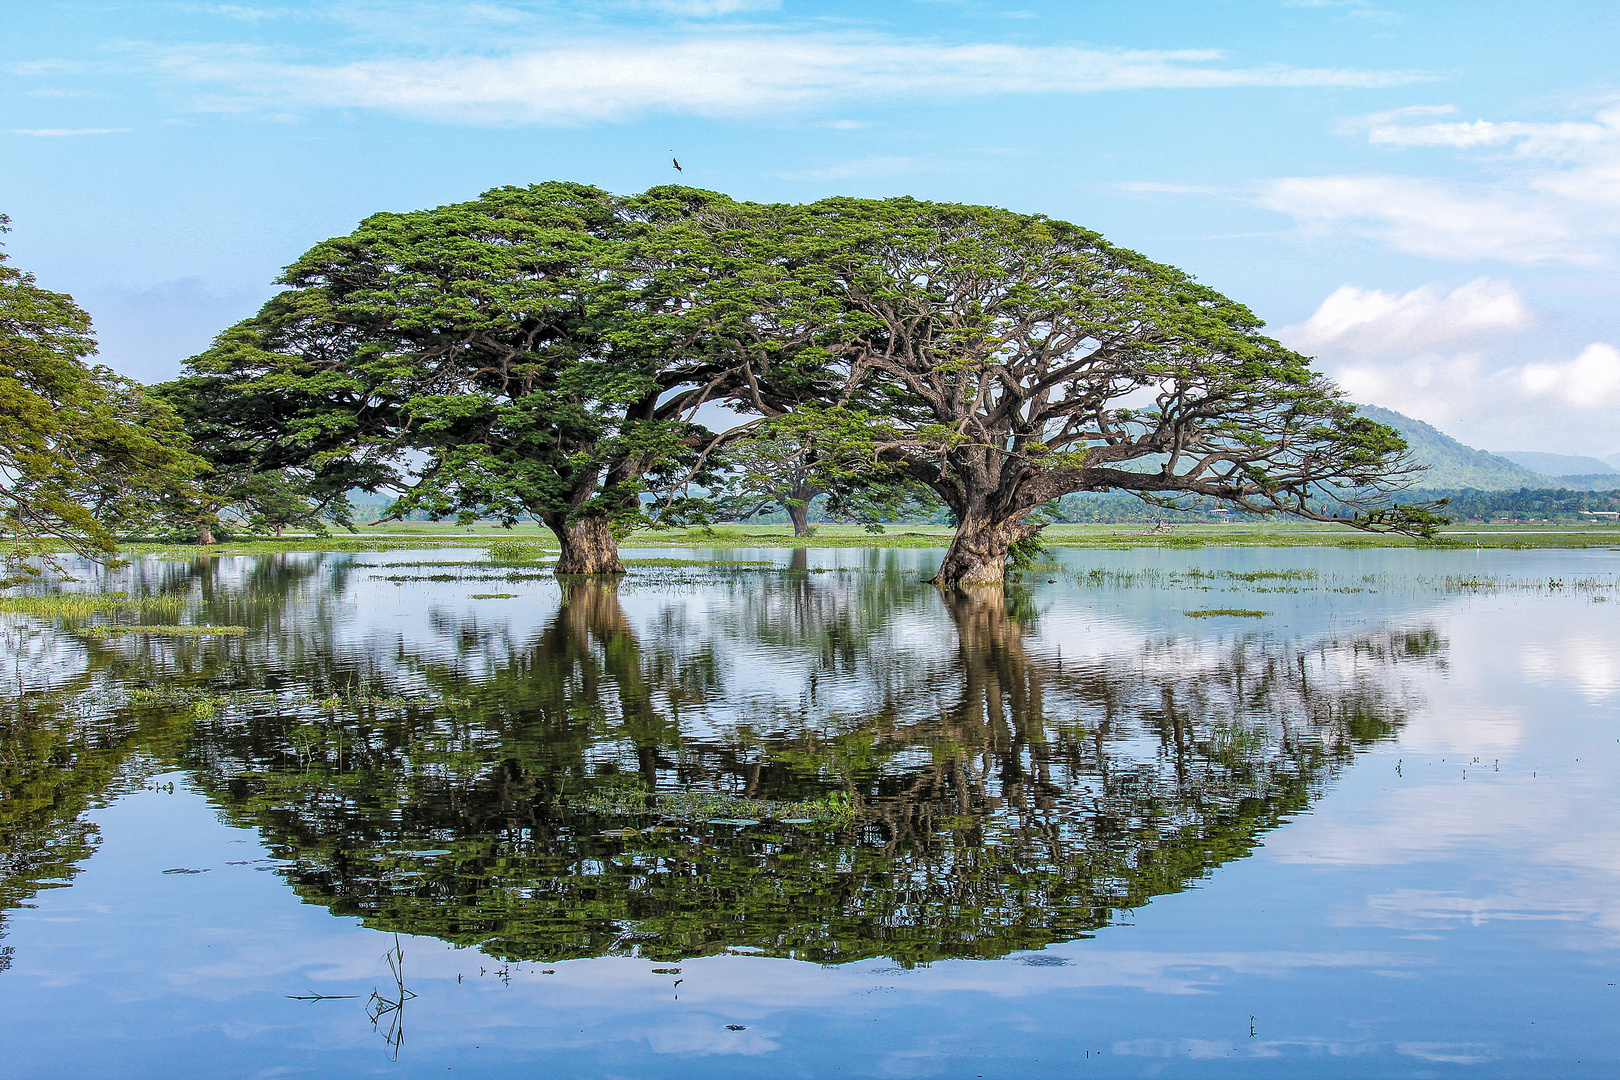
(521, 355)
(85, 455)
(1026, 553)
(999, 351)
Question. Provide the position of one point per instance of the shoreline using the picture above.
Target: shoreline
(425, 534)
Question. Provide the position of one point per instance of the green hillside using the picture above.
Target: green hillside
(1558, 464)
(1453, 465)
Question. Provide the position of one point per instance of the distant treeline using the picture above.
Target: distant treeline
(1467, 504)
(1526, 504)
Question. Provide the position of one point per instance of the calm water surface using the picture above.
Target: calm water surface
(799, 814)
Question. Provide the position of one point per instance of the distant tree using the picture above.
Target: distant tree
(85, 454)
(799, 458)
(1012, 359)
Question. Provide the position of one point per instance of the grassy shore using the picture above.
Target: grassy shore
(1237, 534)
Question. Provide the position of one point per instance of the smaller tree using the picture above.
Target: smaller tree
(792, 460)
(273, 501)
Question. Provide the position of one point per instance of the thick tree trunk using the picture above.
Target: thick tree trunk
(205, 535)
(588, 546)
(797, 505)
(978, 551)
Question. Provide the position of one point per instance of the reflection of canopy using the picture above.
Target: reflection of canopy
(1006, 799)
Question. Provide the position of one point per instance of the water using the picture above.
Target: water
(1373, 831)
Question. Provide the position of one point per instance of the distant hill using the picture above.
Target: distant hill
(1453, 465)
(1558, 464)
(1613, 459)
(1608, 481)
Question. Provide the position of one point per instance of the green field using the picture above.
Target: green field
(1236, 534)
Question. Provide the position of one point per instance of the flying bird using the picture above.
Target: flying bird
(677, 165)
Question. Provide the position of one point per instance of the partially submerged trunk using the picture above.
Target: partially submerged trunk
(978, 551)
(797, 504)
(588, 546)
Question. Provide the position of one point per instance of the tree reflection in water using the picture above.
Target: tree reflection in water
(1003, 798)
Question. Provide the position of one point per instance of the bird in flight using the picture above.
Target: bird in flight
(677, 164)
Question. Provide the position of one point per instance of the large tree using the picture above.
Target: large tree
(1014, 359)
(527, 354)
(85, 454)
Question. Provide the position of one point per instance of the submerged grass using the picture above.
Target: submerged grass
(1236, 612)
(83, 605)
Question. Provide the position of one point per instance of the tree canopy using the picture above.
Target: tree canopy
(1011, 359)
(527, 354)
(542, 352)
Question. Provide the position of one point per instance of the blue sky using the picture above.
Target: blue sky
(1425, 196)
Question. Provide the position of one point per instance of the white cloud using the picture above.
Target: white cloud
(1559, 140)
(1559, 406)
(1355, 322)
(1551, 193)
(720, 75)
(1439, 219)
(1456, 360)
(1590, 381)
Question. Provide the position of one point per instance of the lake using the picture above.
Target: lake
(795, 813)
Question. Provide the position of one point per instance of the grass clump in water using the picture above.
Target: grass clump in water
(515, 552)
(1235, 612)
(124, 630)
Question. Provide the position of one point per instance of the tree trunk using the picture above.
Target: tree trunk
(588, 546)
(205, 535)
(797, 505)
(800, 516)
(978, 551)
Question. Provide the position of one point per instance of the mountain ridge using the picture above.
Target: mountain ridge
(1453, 465)
(1557, 464)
